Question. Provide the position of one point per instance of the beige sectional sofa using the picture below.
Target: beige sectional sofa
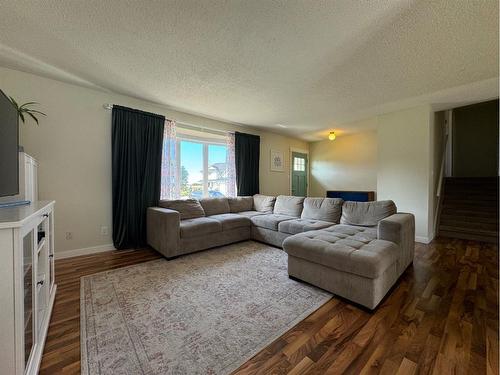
(353, 249)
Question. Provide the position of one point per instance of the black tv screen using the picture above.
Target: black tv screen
(9, 140)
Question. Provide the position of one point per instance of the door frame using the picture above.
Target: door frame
(290, 168)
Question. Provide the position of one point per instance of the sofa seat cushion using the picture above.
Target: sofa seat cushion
(366, 213)
(363, 257)
(187, 208)
(214, 206)
(250, 214)
(199, 226)
(231, 221)
(325, 209)
(302, 225)
(270, 221)
(288, 205)
(240, 204)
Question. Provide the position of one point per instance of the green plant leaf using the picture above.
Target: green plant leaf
(35, 111)
(26, 104)
(33, 117)
(14, 102)
(24, 109)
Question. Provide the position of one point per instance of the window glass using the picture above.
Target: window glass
(195, 182)
(299, 164)
(217, 172)
(191, 169)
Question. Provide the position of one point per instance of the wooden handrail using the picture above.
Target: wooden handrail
(439, 190)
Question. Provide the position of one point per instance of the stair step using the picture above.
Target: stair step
(479, 199)
(469, 230)
(446, 217)
(468, 212)
(468, 236)
(453, 182)
(488, 206)
(472, 180)
(472, 196)
(469, 208)
(477, 205)
(472, 226)
(470, 187)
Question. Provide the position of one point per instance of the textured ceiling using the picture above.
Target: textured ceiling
(308, 65)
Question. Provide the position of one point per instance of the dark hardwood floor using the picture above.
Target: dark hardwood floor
(442, 318)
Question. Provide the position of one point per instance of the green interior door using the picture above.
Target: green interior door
(299, 174)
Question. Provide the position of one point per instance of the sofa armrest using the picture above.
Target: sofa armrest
(400, 229)
(163, 230)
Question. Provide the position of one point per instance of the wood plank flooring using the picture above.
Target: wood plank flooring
(442, 318)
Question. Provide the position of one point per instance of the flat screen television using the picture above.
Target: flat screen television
(9, 141)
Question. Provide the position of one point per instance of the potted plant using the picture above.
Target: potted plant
(25, 109)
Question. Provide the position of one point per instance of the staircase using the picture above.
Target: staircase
(469, 209)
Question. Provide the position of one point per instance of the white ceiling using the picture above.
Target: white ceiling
(308, 65)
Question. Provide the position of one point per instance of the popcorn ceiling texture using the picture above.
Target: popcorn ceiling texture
(306, 65)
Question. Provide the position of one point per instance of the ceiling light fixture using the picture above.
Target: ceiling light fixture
(332, 136)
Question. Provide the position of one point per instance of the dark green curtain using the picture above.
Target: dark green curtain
(247, 155)
(137, 139)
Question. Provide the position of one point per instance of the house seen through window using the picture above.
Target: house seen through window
(202, 168)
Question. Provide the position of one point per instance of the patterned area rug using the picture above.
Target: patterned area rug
(205, 313)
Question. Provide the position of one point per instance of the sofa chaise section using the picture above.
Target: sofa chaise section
(359, 260)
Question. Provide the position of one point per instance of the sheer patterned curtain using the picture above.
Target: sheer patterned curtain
(230, 166)
(170, 185)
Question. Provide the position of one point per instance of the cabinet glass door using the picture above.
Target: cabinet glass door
(50, 243)
(28, 244)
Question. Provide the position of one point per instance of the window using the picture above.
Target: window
(299, 164)
(191, 169)
(202, 168)
(217, 176)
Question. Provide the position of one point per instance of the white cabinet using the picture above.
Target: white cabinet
(27, 288)
(30, 178)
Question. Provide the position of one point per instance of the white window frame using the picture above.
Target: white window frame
(205, 142)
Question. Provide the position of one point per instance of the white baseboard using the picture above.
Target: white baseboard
(84, 251)
(424, 240)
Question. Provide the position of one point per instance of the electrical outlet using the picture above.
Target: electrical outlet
(104, 231)
(69, 235)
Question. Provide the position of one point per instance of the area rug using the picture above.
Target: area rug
(205, 313)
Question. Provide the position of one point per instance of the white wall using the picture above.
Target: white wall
(400, 160)
(271, 182)
(73, 147)
(347, 163)
(405, 164)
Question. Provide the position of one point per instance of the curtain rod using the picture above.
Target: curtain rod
(185, 125)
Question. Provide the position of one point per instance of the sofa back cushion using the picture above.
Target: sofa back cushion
(215, 206)
(240, 204)
(366, 214)
(263, 203)
(289, 205)
(325, 209)
(187, 208)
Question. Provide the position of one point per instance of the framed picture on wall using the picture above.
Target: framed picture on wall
(277, 161)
